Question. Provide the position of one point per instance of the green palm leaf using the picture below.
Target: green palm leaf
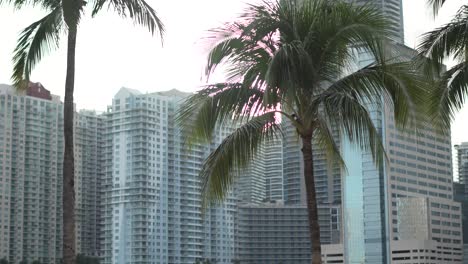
(216, 105)
(235, 153)
(451, 93)
(447, 41)
(34, 42)
(138, 10)
(400, 84)
(324, 139)
(350, 113)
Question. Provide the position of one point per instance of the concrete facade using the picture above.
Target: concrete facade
(31, 156)
(279, 233)
(152, 203)
(89, 172)
(461, 191)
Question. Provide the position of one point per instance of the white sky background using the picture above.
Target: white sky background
(112, 53)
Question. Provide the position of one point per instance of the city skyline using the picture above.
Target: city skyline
(171, 173)
(139, 194)
(161, 68)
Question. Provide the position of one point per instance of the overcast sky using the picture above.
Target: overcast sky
(112, 53)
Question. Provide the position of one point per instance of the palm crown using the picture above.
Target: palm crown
(298, 63)
(296, 59)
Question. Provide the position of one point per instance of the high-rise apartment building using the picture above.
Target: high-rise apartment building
(89, 169)
(251, 183)
(278, 233)
(152, 202)
(31, 157)
(293, 182)
(273, 158)
(273, 233)
(262, 181)
(31, 153)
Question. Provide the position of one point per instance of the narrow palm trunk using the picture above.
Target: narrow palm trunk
(68, 158)
(314, 227)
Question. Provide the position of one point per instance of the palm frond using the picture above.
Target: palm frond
(37, 39)
(290, 69)
(259, 21)
(436, 5)
(221, 52)
(216, 105)
(324, 138)
(447, 40)
(234, 154)
(138, 10)
(400, 84)
(353, 116)
(244, 42)
(360, 26)
(451, 93)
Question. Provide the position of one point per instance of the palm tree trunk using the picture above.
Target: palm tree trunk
(68, 157)
(314, 227)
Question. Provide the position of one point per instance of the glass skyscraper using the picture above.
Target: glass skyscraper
(365, 226)
(376, 217)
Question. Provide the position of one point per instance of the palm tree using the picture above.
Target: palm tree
(43, 35)
(448, 41)
(294, 60)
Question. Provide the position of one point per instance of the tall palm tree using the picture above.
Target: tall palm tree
(63, 17)
(296, 60)
(448, 41)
